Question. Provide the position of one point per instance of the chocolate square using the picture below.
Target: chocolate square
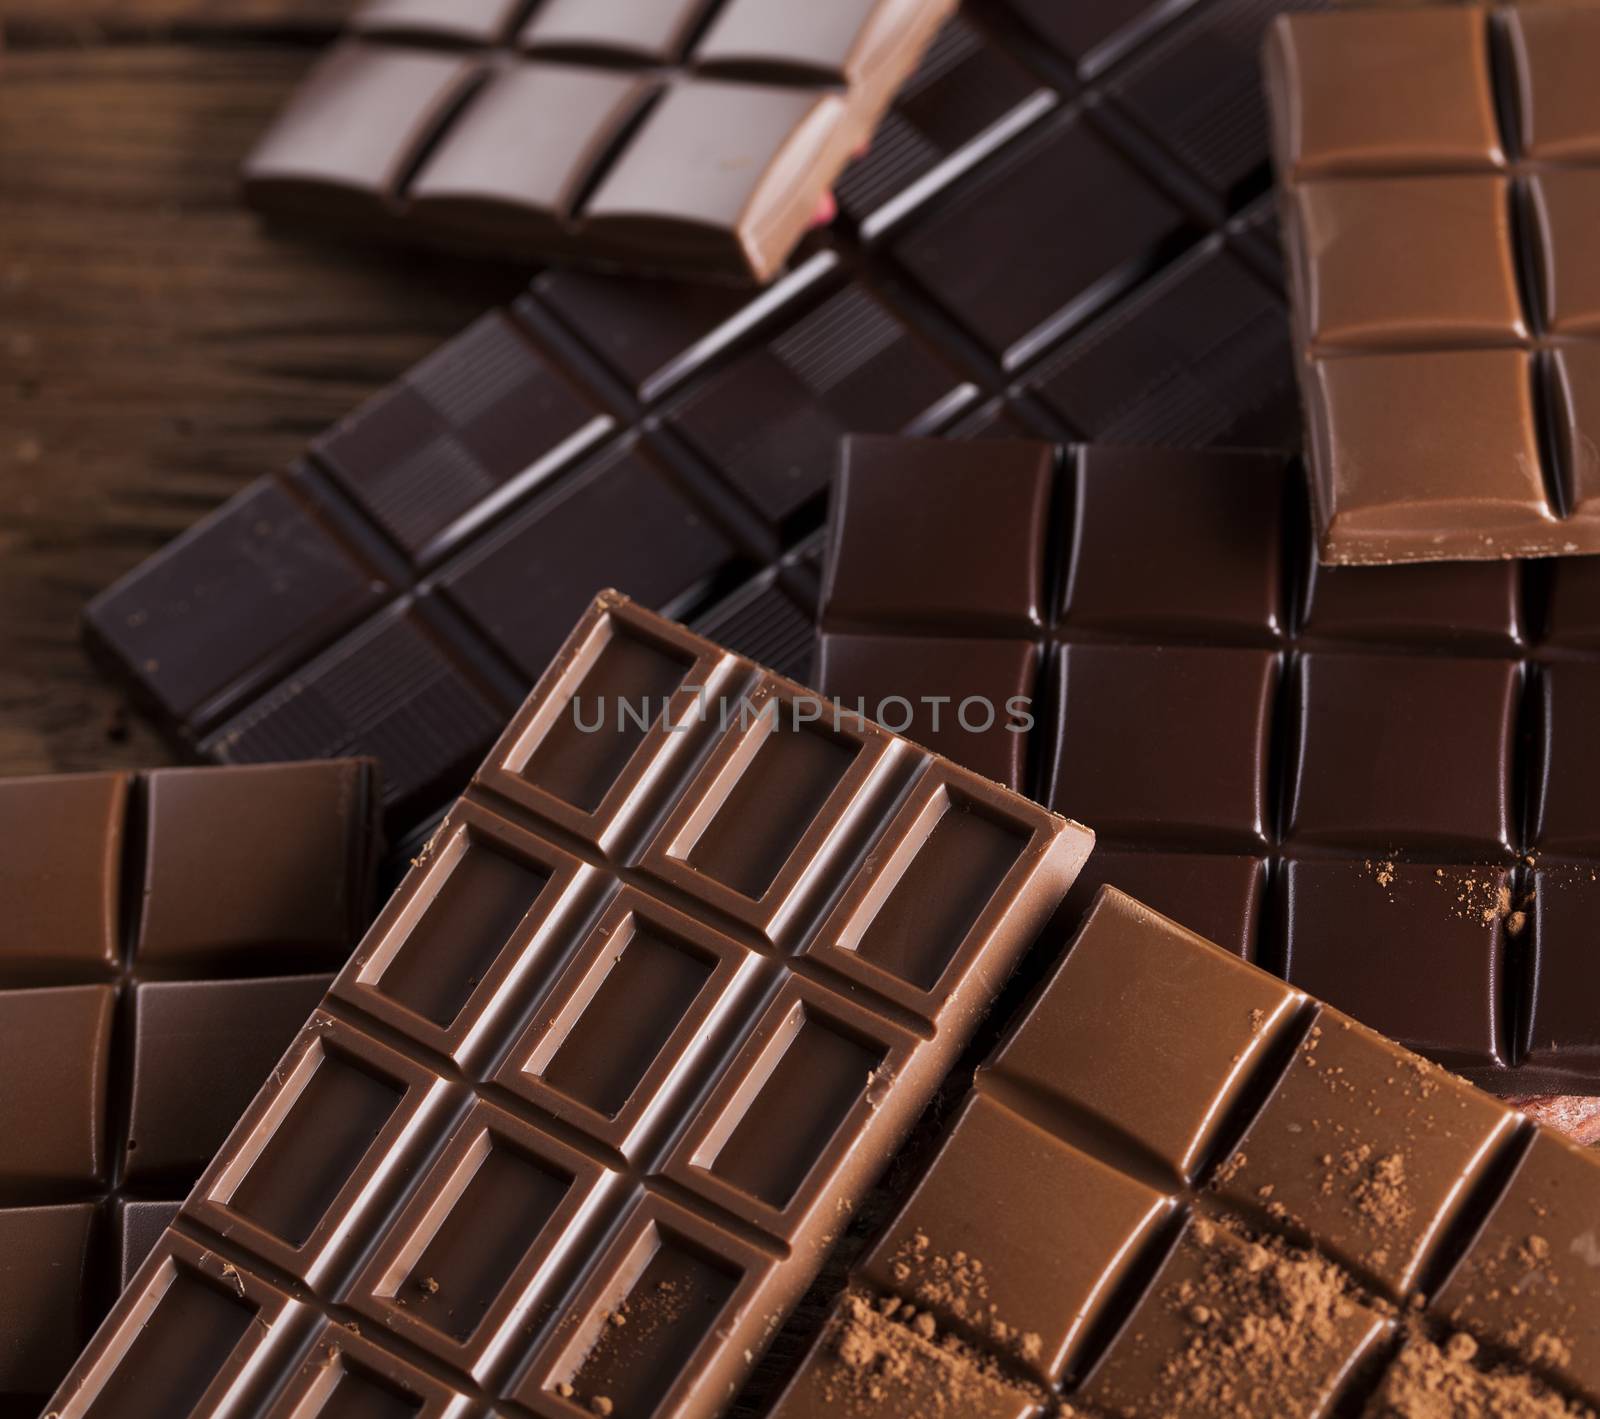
(1450, 997)
(1437, 778)
(1125, 761)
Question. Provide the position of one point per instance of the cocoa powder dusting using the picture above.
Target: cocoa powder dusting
(1375, 1185)
(1483, 898)
(1516, 1268)
(958, 1285)
(1449, 1381)
(890, 1354)
(642, 1314)
(1257, 1321)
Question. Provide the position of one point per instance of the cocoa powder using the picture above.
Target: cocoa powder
(890, 1356)
(1449, 1381)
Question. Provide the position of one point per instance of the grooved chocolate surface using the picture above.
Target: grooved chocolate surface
(1376, 781)
(1439, 231)
(580, 1121)
(676, 441)
(1119, 1218)
(166, 934)
(685, 136)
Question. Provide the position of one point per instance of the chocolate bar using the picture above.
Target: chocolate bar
(166, 935)
(677, 441)
(1375, 781)
(579, 1122)
(688, 136)
(1220, 1199)
(1440, 179)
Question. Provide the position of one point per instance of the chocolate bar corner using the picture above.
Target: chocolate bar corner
(1439, 177)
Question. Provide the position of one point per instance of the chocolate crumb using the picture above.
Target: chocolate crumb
(957, 1285)
(1479, 896)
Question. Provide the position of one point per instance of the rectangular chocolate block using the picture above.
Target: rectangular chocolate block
(1377, 782)
(1439, 172)
(676, 441)
(582, 1118)
(1223, 1198)
(695, 137)
(166, 935)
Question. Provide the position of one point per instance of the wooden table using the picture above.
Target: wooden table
(158, 350)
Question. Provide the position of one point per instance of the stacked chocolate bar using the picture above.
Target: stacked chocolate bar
(1038, 236)
(734, 1047)
(1437, 231)
(1220, 1198)
(579, 1126)
(581, 1120)
(1308, 763)
(166, 935)
(671, 135)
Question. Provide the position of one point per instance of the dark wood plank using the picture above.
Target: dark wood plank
(94, 21)
(158, 349)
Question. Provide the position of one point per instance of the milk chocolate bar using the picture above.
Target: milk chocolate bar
(687, 136)
(580, 1121)
(166, 934)
(1440, 179)
(1221, 1198)
(677, 441)
(1378, 782)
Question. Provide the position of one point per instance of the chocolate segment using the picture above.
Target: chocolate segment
(580, 1122)
(1013, 308)
(1312, 763)
(694, 137)
(1528, 1272)
(1436, 231)
(681, 437)
(168, 933)
(1356, 1231)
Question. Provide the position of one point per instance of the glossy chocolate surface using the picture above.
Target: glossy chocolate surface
(1376, 781)
(1181, 1186)
(166, 935)
(1439, 229)
(579, 1123)
(677, 441)
(685, 136)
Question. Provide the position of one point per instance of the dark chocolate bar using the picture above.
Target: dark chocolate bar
(1377, 782)
(580, 1121)
(677, 441)
(1440, 178)
(166, 935)
(1220, 1199)
(687, 136)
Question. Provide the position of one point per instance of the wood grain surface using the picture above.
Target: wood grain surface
(158, 348)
